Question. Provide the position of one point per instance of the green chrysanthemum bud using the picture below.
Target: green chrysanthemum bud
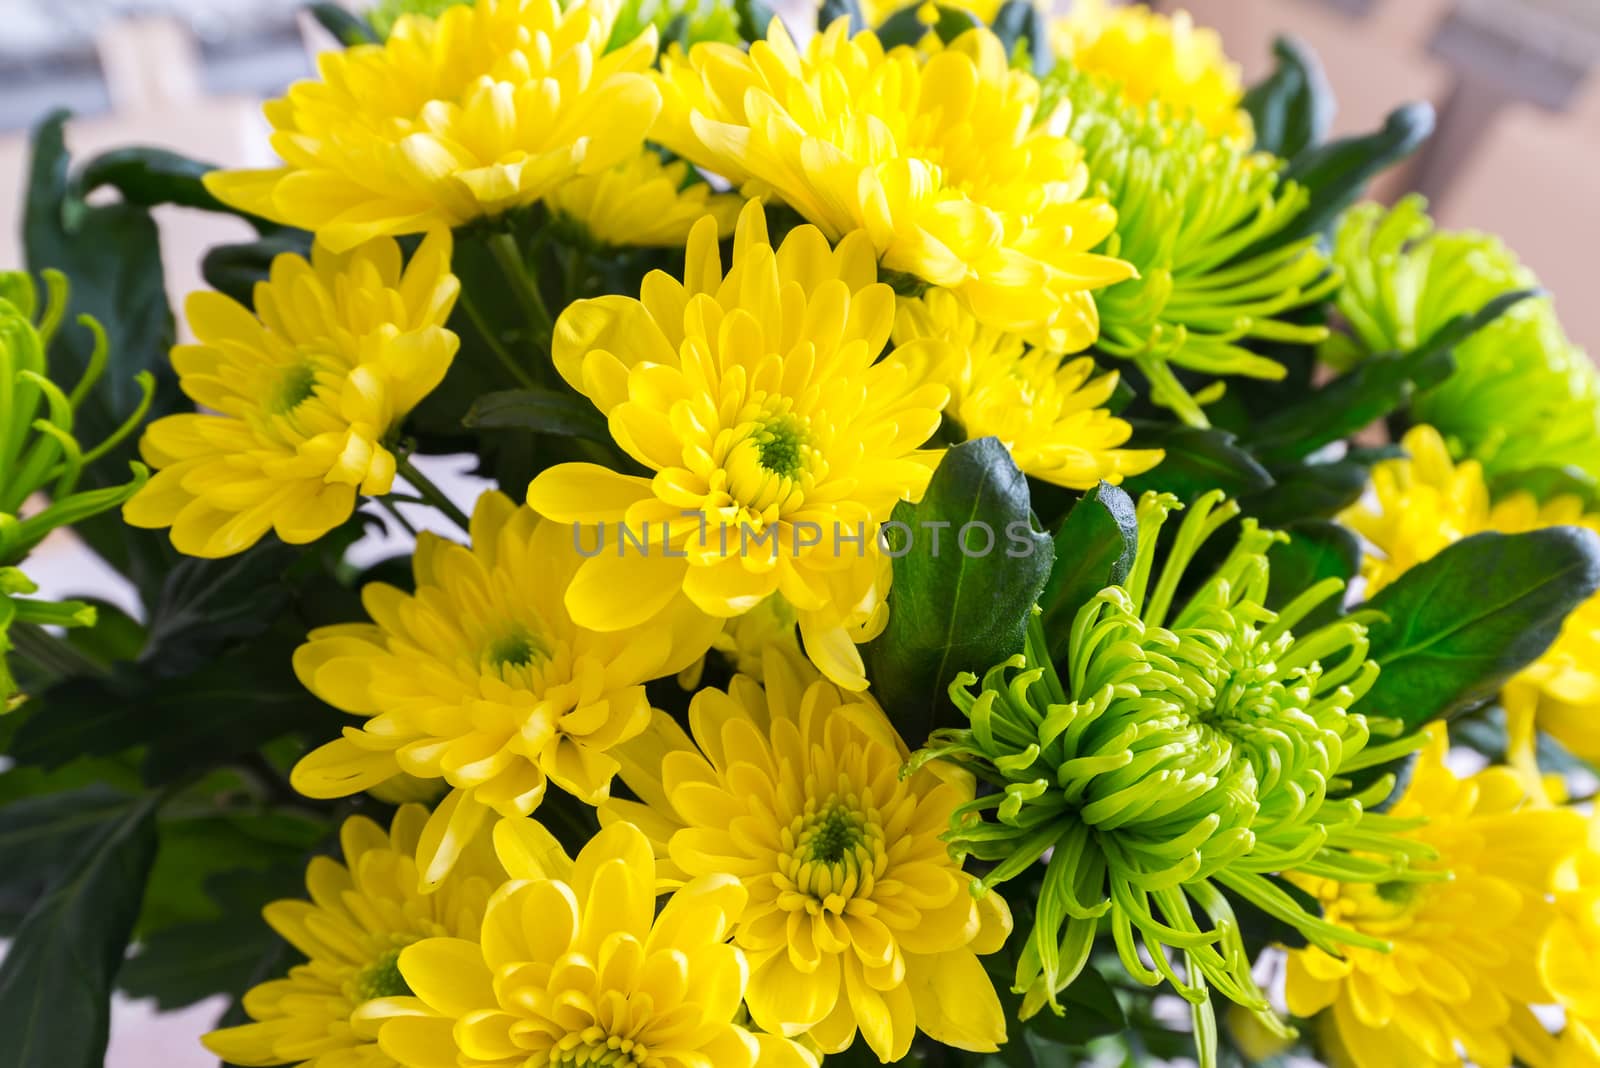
(1175, 756)
(40, 455)
(1192, 208)
(1522, 395)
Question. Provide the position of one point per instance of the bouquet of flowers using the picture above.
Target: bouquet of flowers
(973, 549)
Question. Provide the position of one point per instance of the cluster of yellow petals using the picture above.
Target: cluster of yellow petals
(1472, 951)
(1426, 501)
(1156, 58)
(857, 919)
(643, 202)
(303, 396)
(941, 160)
(574, 968)
(481, 678)
(489, 107)
(361, 915)
(1047, 410)
(777, 440)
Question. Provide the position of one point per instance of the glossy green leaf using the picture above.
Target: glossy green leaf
(542, 411)
(346, 28)
(832, 10)
(1198, 460)
(1456, 627)
(151, 176)
(1093, 549)
(56, 980)
(1294, 107)
(968, 568)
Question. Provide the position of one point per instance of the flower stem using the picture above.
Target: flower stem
(509, 362)
(509, 257)
(430, 493)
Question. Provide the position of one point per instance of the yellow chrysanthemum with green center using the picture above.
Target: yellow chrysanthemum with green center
(778, 440)
(642, 202)
(488, 107)
(1157, 58)
(303, 396)
(362, 913)
(482, 679)
(575, 969)
(1465, 961)
(858, 919)
(938, 158)
(1425, 502)
(1048, 411)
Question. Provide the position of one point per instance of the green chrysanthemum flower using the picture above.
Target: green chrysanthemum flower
(1192, 211)
(40, 455)
(1522, 395)
(1175, 756)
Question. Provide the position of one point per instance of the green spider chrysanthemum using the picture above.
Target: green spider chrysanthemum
(39, 453)
(1522, 395)
(1192, 210)
(1175, 756)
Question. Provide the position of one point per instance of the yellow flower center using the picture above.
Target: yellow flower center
(594, 1047)
(517, 647)
(832, 852)
(770, 461)
(382, 978)
(296, 385)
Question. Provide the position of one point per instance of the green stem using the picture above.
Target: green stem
(509, 257)
(509, 362)
(430, 493)
(388, 505)
(57, 657)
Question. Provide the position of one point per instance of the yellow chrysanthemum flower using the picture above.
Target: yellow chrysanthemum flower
(1419, 505)
(1567, 957)
(778, 443)
(304, 396)
(939, 158)
(1465, 964)
(857, 917)
(486, 108)
(574, 967)
(362, 913)
(482, 679)
(1048, 411)
(1156, 57)
(642, 202)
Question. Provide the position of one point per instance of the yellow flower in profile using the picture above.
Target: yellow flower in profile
(362, 913)
(304, 396)
(1426, 501)
(489, 107)
(574, 967)
(1157, 58)
(941, 159)
(858, 918)
(642, 202)
(1466, 961)
(1048, 411)
(777, 440)
(480, 678)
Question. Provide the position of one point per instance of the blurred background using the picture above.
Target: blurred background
(1516, 84)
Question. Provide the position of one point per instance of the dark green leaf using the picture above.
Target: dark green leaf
(1456, 627)
(1093, 549)
(1198, 460)
(206, 605)
(55, 984)
(42, 835)
(1305, 491)
(543, 411)
(905, 27)
(1022, 24)
(1294, 107)
(148, 177)
(754, 19)
(346, 28)
(1316, 550)
(968, 571)
(833, 10)
(1337, 173)
(1371, 391)
(234, 270)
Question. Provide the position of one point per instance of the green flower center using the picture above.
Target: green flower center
(382, 978)
(294, 388)
(594, 1048)
(834, 835)
(518, 647)
(779, 447)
